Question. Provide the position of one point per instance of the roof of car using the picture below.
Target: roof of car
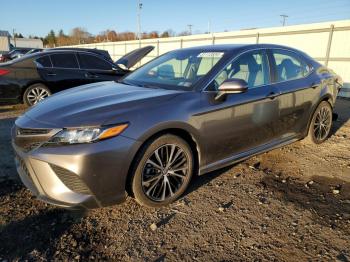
(233, 47)
(98, 52)
(103, 53)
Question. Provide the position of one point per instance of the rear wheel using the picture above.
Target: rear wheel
(162, 171)
(321, 123)
(35, 93)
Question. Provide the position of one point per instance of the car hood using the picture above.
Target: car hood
(96, 104)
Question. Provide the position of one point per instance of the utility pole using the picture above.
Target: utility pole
(284, 17)
(209, 27)
(14, 37)
(190, 28)
(139, 7)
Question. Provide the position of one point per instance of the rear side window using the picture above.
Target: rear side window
(93, 62)
(44, 61)
(64, 61)
(289, 66)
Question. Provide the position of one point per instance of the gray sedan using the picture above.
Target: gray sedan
(185, 113)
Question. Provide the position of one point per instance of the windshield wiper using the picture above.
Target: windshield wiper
(139, 85)
(149, 86)
(124, 83)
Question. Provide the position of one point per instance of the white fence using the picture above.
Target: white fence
(328, 43)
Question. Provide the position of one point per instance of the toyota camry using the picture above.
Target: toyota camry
(185, 113)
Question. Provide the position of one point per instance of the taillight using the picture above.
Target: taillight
(4, 72)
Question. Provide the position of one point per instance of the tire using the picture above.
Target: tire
(149, 178)
(321, 123)
(35, 93)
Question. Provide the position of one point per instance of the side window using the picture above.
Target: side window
(64, 61)
(289, 66)
(93, 62)
(43, 61)
(251, 67)
(306, 68)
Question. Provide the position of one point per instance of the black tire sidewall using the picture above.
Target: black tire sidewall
(311, 134)
(25, 98)
(142, 157)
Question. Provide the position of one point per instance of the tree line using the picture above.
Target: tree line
(80, 35)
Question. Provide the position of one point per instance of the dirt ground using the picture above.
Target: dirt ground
(290, 204)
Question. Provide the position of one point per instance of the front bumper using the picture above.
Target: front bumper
(78, 176)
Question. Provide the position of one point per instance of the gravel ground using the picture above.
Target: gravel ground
(290, 204)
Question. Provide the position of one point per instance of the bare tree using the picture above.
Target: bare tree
(79, 35)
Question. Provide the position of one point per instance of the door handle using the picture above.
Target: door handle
(51, 74)
(272, 95)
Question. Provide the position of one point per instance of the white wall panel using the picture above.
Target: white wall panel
(315, 44)
(310, 38)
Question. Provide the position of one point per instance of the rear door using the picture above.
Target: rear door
(95, 68)
(64, 73)
(298, 90)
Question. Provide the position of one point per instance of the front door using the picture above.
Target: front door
(243, 121)
(96, 69)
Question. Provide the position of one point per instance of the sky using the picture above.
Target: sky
(38, 17)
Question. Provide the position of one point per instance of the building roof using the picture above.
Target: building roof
(4, 33)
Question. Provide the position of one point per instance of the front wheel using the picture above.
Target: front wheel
(321, 123)
(35, 93)
(162, 171)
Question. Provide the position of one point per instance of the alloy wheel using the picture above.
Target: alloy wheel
(322, 123)
(164, 172)
(37, 94)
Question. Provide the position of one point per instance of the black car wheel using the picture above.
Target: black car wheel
(321, 123)
(162, 171)
(35, 93)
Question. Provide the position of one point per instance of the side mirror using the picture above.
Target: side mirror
(232, 86)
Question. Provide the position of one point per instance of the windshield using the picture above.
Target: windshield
(179, 69)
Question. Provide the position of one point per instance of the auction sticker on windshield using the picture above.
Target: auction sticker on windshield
(211, 54)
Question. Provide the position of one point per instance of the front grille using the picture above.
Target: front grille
(32, 131)
(30, 146)
(71, 180)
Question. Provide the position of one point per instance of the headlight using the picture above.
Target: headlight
(86, 135)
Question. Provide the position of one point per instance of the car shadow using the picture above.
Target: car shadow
(10, 186)
(327, 199)
(342, 109)
(199, 181)
(37, 233)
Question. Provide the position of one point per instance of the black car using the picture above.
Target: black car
(13, 54)
(34, 50)
(187, 112)
(36, 76)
